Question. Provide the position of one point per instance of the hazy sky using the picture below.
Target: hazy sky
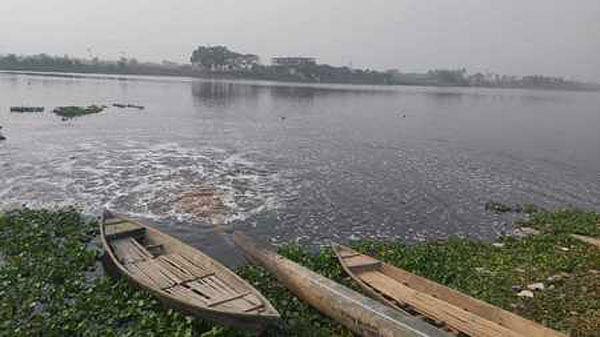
(554, 37)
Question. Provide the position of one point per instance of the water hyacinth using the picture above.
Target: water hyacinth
(51, 284)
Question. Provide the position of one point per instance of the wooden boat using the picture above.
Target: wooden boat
(401, 289)
(359, 313)
(181, 276)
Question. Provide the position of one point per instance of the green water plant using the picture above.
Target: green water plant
(52, 283)
(76, 111)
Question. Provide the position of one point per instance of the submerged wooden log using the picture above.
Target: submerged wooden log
(359, 313)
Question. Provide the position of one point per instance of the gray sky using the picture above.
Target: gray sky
(554, 37)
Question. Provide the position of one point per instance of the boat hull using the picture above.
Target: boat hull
(244, 321)
(400, 289)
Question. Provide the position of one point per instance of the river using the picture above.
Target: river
(297, 162)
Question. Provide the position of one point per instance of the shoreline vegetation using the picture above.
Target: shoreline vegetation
(52, 282)
(220, 63)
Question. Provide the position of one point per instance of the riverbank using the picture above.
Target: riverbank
(51, 281)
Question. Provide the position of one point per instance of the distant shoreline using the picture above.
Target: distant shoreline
(94, 73)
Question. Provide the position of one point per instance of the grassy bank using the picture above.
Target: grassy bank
(51, 283)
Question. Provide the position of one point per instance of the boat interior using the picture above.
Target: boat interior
(183, 273)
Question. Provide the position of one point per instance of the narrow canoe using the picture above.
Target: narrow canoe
(182, 277)
(359, 313)
(401, 289)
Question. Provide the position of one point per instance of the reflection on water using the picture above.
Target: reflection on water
(307, 163)
(222, 93)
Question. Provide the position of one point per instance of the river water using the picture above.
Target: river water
(298, 162)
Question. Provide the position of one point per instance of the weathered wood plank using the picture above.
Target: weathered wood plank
(228, 299)
(462, 320)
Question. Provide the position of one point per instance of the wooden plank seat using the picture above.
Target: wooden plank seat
(347, 256)
(122, 229)
(362, 262)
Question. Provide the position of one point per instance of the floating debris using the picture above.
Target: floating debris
(26, 109)
(123, 106)
(203, 202)
(497, 207)
(76, 111)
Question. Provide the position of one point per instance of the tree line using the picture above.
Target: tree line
(221, 62)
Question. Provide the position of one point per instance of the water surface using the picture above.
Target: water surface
(307, 163)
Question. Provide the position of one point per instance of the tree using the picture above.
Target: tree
(208, 57)
(456, 77)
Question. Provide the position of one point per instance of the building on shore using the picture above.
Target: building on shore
(293, 61)
(244, 62)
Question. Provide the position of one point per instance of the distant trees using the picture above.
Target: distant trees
(220, 62)
(44, 62)
(452, 77)
(221, 58)
(211, 56)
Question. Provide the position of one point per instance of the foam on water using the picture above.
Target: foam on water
(140, 180)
